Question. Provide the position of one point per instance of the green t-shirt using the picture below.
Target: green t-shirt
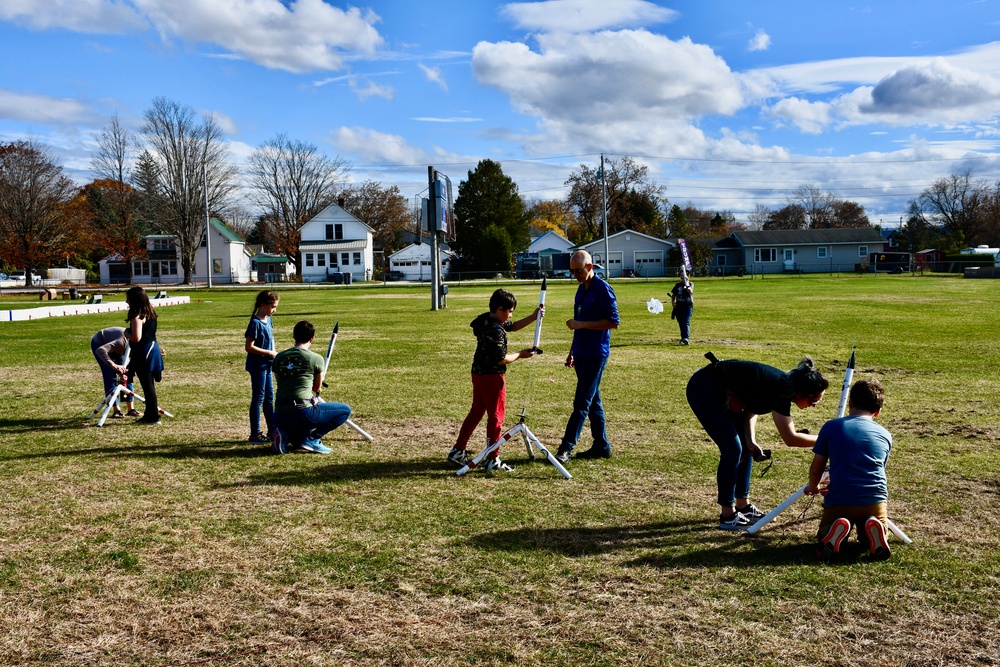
(294, 369)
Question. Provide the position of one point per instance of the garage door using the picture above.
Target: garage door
(649, 263)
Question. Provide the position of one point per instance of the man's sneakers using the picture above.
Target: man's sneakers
(878, 545)
(737, 521)
(563, 455)
(496, 465)
(279, 441)
(315, 446)
(595, 453)
(752, 512)
(459, 457)
(829, 547)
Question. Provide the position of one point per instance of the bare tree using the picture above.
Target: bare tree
(34, 194)
(382, 208)
(183, 150)
(114, 202)
(292, 182)
(956, 204)
(816, 204)
(758, 217)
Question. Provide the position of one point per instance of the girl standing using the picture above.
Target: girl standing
(146, 361)
(260, 356)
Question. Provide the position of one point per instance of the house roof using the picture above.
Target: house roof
(808, 236)
(264, 258)
(329, 207)
(442, 248)
(626, 231)
(226, 231)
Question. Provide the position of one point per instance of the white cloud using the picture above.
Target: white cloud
(586, 15)
(810, 117)
(303, 36)
(433, 75)
(35, 108)
(937, 87)
(300, 36)
(91, 16)
(375, 146)
(623, 87)
(760, 42)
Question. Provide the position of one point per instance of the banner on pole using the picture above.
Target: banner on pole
(685, 257)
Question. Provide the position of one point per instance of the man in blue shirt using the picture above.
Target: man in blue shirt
(857, 450)
(595, 314)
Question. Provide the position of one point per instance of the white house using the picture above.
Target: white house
(550, 243)
(630, 253)
(334, 241)
(162, 265)
(414, 261)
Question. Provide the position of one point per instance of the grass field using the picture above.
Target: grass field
(180, 544)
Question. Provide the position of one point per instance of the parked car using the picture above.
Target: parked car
(3, 276)
(19, 276)
(396, 275)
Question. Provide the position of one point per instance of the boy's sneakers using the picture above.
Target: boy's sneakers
(496, 465)
(279, 441)
(752, 512)
(258, 439)
(315, 446)
(459, 457)
(735, 522)
(878, 545)
(829, 546)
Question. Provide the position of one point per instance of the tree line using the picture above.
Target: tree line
(161, 179)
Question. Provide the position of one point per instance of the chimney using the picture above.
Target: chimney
(340, 202)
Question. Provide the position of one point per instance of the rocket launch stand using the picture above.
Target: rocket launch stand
(531, 443)
(120, 391)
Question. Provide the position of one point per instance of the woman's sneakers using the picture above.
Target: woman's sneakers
(752, 512)
(738, 521)
(878, 545)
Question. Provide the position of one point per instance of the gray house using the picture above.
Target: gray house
(796, 250)
(630, 253)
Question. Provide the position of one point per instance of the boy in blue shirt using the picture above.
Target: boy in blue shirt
(857, 450)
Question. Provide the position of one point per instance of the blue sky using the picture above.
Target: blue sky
(730, 103)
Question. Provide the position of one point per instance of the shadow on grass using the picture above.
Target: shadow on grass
(678, 544)
(14, 426)
(344, 472)
(216, 450)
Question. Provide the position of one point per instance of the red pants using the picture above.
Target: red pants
(489, 397)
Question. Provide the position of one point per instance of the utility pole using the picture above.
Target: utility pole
(432, 214)
(604, 220)
(208, 226)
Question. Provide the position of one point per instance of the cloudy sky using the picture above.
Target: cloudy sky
(730, 103)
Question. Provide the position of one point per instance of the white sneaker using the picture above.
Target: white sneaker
(496, 465)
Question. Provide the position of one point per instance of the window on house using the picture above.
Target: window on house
(720, 260)
(140, 268)
(765, 255)
(168, 268)
(822, 252)
(329, 232)
(333, 259)
(862, 251)
(216, 266)
(321, 259)
(345, 258)
(357, 258)
(338, 232)
(309, 259)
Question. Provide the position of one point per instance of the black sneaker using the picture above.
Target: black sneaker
(829, 546)
(752, 512)
(459, 457)
(563, 456)
(735, 522)
(594, 453)
(878, 545)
